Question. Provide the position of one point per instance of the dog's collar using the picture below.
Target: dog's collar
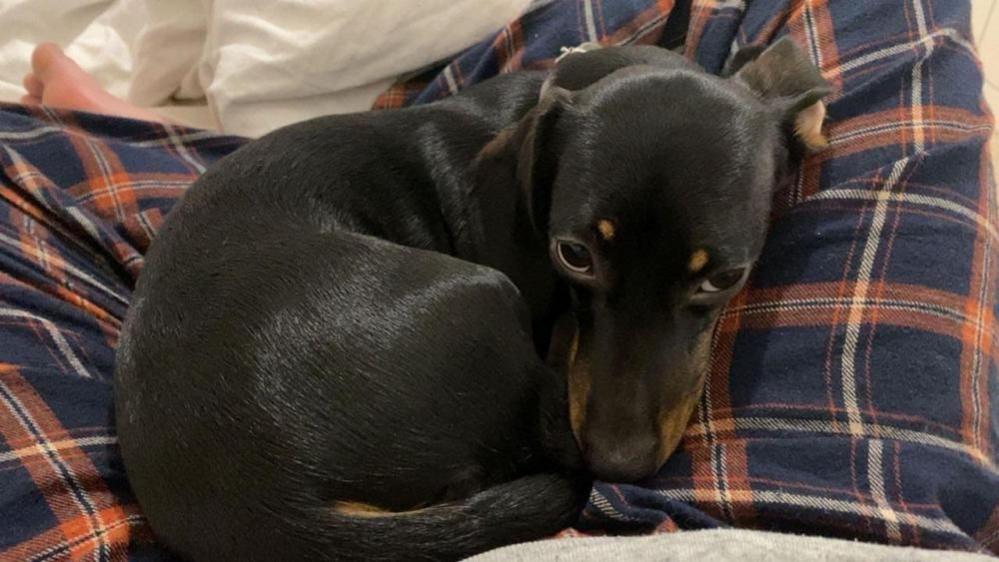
(582, 48)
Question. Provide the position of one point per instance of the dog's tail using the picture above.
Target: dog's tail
(529, 508)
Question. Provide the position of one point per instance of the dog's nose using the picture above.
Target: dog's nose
(622, 460)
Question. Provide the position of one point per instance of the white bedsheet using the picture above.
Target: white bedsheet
(245, 67)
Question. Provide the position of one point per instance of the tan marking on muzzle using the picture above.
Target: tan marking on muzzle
(698, 260)
(579, 388)
(673, 423)
(606, 228)
(808, 126)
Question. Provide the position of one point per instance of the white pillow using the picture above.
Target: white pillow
(261, 64)
(268, 64)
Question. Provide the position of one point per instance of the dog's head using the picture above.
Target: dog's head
(653, 187)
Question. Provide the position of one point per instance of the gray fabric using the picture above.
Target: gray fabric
(718, 546)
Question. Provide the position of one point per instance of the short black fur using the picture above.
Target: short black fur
(352, 310)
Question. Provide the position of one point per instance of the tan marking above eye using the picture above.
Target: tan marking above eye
(698, 260)
(606, 228)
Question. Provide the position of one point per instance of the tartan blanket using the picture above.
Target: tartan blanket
(854, 389)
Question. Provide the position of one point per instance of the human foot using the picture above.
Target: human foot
(56, 80)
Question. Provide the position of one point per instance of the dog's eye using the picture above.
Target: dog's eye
(722, 281)
(574, 256)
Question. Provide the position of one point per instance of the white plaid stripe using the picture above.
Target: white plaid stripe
(591, 27)
(604, 506)
(846, 137)
(917, 79)
(139, 185)
(812, 36)
(174, 137)
(895, 50)
(61, 550)
(16, 247)
(36, 449)
(78, 494)
(823, 504)
(876, 480)
(856, 312)
(452, 85)
(819, 303)
(30, 134)
(60, 341)
(106, 174)
(912, 198)
(882, 431)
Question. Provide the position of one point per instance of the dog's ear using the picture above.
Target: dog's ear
(741, 58)
(784, 77)
(537, 159)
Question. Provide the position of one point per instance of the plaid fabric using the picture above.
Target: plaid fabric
(854, 389)
(80, 198)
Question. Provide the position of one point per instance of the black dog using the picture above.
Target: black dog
(654, 188)
(307, 373)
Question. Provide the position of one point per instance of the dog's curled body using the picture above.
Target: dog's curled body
(334, 348)
(302, 347)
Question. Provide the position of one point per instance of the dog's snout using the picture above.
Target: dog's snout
(622, 460)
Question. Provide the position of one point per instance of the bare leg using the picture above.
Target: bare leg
(56, 80)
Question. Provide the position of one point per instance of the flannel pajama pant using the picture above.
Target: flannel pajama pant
(854, 388)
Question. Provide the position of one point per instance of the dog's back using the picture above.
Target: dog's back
(283, 367)
(250, 390)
